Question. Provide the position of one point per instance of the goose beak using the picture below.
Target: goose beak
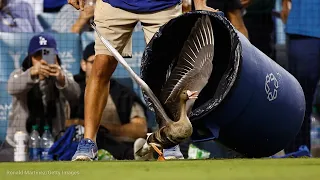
(192, 94)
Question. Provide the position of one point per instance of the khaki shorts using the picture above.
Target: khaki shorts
(116, 25)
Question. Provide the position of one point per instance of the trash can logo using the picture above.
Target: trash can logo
(271, 87)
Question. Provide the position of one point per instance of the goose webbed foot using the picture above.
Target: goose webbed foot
(160, 154)
(148, 148)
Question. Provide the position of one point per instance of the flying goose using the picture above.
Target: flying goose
(188, 77)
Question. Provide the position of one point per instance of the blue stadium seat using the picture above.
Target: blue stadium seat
(5, 107)
(13, 49)
(69, 47)
(86, 38)
(46, 20)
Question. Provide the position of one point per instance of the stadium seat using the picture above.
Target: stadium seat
(13, 49)
(86, 38)
(70, 51)
(46, 20)
(5, 107)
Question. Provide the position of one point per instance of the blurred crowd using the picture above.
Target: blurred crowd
(45, 94)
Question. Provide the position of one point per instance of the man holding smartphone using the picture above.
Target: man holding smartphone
(45, 59)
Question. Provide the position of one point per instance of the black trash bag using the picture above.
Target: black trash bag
(164, 48)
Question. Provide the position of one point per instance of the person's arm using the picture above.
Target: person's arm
(186, 6)
(137, 128)
(76, 121)
(20, 82)
(65, 19)
(202, 5)
(78, 25)
(236, 20)
(65, 83)
(83, 19)
(70, 89)
(285, 11)
(245, 3)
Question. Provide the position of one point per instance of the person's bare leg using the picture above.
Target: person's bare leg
(96, 95)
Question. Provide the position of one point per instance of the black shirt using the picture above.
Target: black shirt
(122, 96)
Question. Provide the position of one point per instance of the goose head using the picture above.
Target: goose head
(185, 106)
(187, 95)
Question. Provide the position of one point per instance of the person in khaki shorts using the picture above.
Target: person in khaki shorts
(116, 19)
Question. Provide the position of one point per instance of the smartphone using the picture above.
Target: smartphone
(48, 54)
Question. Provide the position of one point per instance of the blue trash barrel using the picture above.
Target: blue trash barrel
(250, 104)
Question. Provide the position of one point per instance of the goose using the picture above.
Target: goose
(183, 84)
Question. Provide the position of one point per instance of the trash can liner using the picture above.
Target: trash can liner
(164, 49)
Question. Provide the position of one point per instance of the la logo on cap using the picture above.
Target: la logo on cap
(42, 41)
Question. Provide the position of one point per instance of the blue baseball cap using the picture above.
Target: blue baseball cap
(41, 41)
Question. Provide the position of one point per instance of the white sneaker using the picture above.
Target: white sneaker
(173, 153)
(138, 145)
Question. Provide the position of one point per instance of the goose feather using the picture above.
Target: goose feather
(193, 68)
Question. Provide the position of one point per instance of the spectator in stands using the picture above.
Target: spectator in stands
(18, 16)
(116, 21)
(124, 116)
(259, 22)
(302, 28)
(41, 92)
(232, 11)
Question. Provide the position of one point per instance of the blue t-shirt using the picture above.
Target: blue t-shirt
(142, 6)
(54, 3)
(304, 18)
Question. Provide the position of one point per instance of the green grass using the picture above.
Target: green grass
(259, 169)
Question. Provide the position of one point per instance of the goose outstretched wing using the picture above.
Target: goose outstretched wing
(194, 65)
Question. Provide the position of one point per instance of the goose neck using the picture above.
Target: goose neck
(183, 111)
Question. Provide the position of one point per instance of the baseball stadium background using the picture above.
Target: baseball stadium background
(13, 49)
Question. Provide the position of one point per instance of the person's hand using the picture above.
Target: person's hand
(83, 19)
(201, 5)
(206, 8)
(245, 3)
(284, 13)
(78, 4)
(87, 13)
(41, 70)
(186, 6)
(56, 71)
